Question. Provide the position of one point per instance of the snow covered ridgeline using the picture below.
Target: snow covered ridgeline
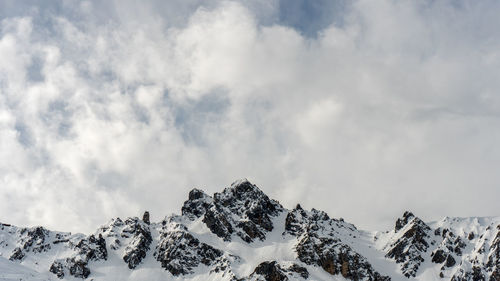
(241, 234)
(451, 249)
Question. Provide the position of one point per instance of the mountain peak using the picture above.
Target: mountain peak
(197, 204)
(242, 234)
(196, 193)
(241, 209)
(242, 188)
(404, 220)
(410, 242)
(240, 181)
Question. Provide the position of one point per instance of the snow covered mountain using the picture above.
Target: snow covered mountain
(242, 234)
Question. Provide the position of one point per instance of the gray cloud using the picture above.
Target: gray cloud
(311, 17)
(110, 109)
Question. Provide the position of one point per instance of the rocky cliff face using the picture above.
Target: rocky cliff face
(319, 244)
(412, 240)
(242, 210)
(456, 249)
(242, 234)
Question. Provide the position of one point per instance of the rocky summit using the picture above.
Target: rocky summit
(242, 234)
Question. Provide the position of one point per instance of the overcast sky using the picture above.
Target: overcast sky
(360, 108)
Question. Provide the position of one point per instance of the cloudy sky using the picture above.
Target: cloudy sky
(360, 108)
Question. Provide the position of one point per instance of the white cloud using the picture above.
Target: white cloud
(394, 109)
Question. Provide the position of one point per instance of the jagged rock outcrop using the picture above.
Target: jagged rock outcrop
(451, 243)
(318, 244)
(484, 261)
(197, 204)
(85, 250)
(273, 271)
(113, 231)
(474, 274)
(57, 268)
(30, 240)
(462, 249)
(242, 209)
(17, 254)
(449, 251)
(439, 256)
(493, 264)
(179, 252)
(133, 234)
(74, 266)
(411, 241)
(140, 241)
(145, 218)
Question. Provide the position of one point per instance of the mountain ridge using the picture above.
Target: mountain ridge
(242, 234)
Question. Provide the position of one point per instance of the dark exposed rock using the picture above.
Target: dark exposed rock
(35, 236)
(459, 246)
(401, 222)
(438, 256)
(412, 243)
(242, 209)
(115, 245)
(86, 249)
(259, 216)
(31, 240)
(139, 245)
(251, 230)
(55, 242)
(114, 229)
(93, 248)
(295, 221)
(145, 217)
(271, 271)
(248, 202)
(197, 204)
(75, 266)
(218, 224)
(493, 264)
(298, 221)
(17, 254)
(179, 252)
(480, 271)
(450, 261)
(302, 271)
(452, 244)
(471, 236)
(78, 268)
(336, 258)
(58, 269)
(475, 274)
(319, 246)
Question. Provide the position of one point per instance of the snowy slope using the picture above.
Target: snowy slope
(13, 271)
(241, 234)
